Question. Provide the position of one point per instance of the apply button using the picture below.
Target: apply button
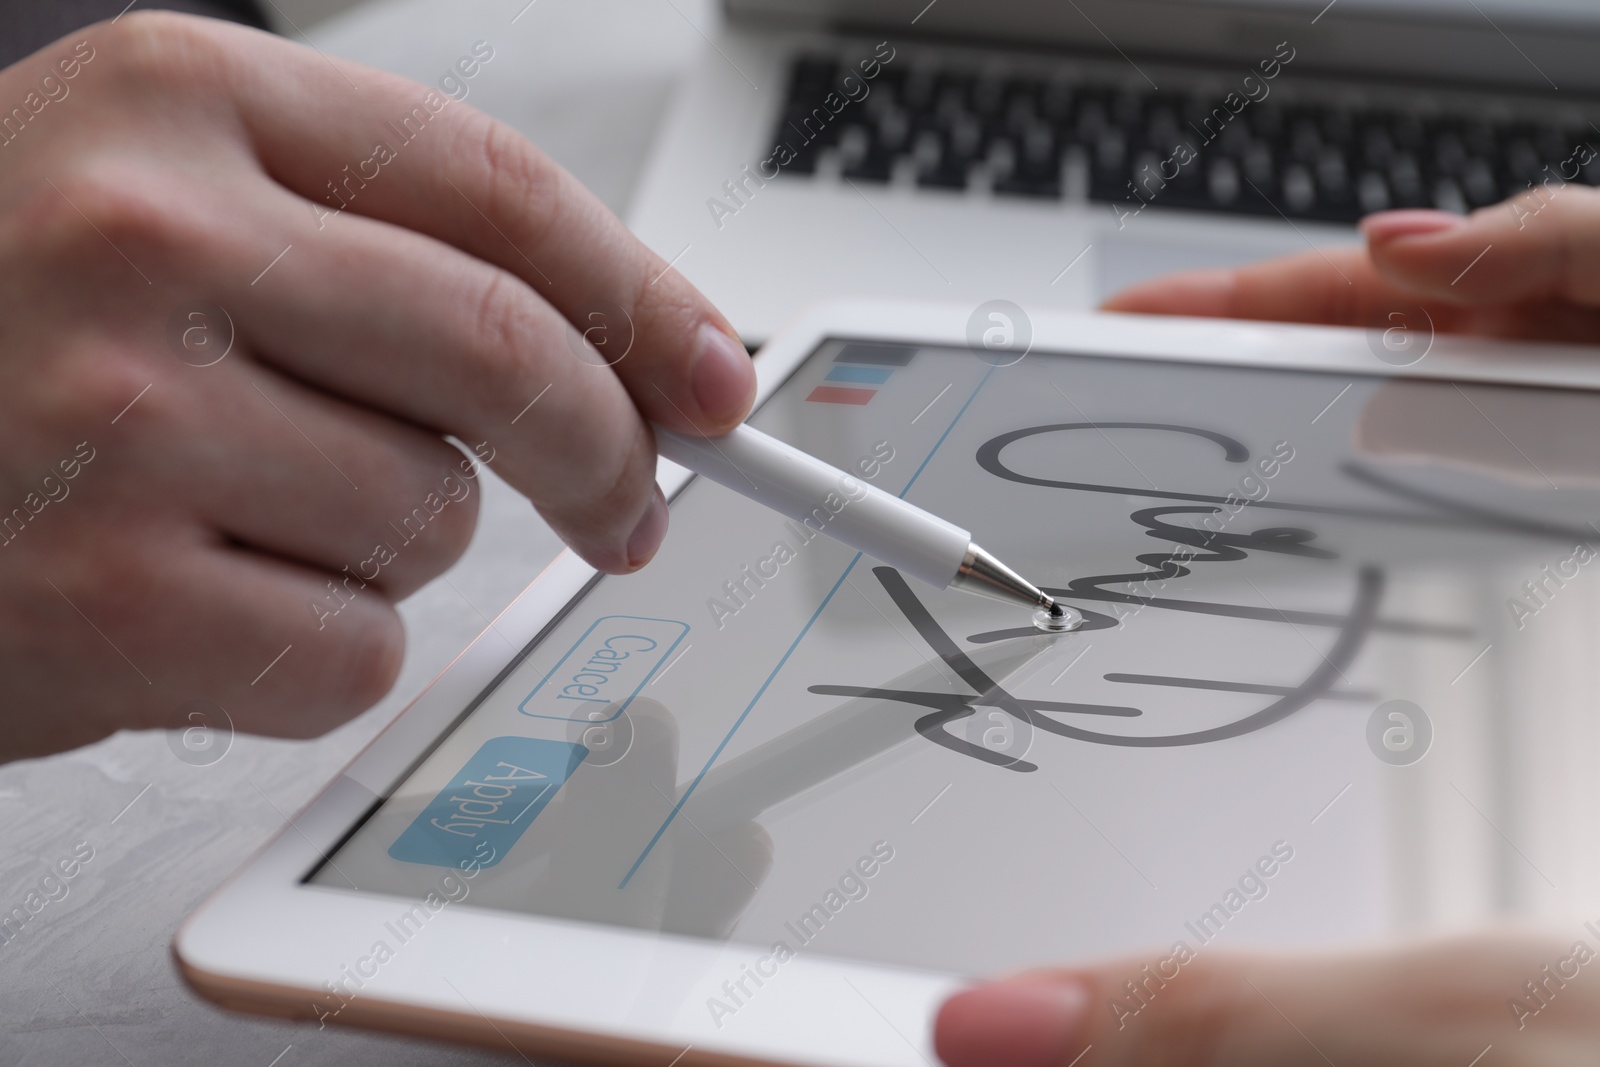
(493, 799)
(609, 664)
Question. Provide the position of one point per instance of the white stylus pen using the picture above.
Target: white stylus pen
(911, 540)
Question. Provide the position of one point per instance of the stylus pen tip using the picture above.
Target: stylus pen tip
(1055, 618)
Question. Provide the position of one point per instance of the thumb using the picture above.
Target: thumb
(1437, 1005)
(1541, 245)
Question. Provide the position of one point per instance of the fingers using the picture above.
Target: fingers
(1338, 287)
(283, 653)
(144, 613)
(1345, 287)
(293, 470)
(403, 153)
(464, 339)
(1436, 1005)
(338, 488)
(404, 324)
(297, 474)
(1543, 245)
(1528, 268)
(1029, 1022)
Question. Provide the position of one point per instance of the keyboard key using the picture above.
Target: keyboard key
(804, 161)
(1259, 169)
(855, 141)
(945, 174)
(1092, 119)
(1299, 191)
(1377, 147)
(965, 140)
(1447, 196)
(1055, 103)
(889, 84)
(1477, 181)
(1405, 182)
(1522, 161)
(1449, 153)
(1266, 120)
(894, 131)
(1305, 141)
(988, 96)
(875, 165)
(951, 92)
(1333, 178)
(1372, 193)
(1223, 182)
(916, 92)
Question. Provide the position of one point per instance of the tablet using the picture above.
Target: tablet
(770, 801)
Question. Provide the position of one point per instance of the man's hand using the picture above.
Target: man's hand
(1439, 1005)
(1528, 268)
(382, 267)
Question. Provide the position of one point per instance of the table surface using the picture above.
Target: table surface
(90, 980)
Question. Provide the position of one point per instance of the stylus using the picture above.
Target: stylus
(849, 509)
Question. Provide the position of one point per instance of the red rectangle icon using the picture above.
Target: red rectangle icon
(834, 394)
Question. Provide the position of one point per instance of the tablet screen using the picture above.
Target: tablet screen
(1337, 680)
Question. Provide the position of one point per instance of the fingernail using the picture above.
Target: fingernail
(647, 535)
(1016, 1022)
(1414, 222)
(722, 377)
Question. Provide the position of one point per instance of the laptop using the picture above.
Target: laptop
(1049, 153)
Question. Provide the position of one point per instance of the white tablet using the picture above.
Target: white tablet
(769, 801)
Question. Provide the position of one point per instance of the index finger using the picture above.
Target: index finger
(1338, 287)
(353, 139)
(1343, 287)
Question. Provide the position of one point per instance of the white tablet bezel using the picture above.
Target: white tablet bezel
(266, 943)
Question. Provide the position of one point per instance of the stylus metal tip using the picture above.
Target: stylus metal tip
(982, 573)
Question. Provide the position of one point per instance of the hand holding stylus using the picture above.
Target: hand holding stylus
(237, 339)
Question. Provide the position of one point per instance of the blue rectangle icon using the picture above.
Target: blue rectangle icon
(863, 375)
(614, 659)
(876, 355)
(492, 800)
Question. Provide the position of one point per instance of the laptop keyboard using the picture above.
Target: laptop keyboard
(1023, 136)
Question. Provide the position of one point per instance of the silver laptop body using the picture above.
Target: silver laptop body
(1050, 153)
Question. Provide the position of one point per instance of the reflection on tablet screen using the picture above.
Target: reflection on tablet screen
(1334, 683)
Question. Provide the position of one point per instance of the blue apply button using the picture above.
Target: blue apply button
(492, 800)
(609, 664)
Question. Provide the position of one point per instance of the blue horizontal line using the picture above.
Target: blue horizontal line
(863, 375)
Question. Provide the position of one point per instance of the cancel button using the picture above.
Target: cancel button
(613, 660)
